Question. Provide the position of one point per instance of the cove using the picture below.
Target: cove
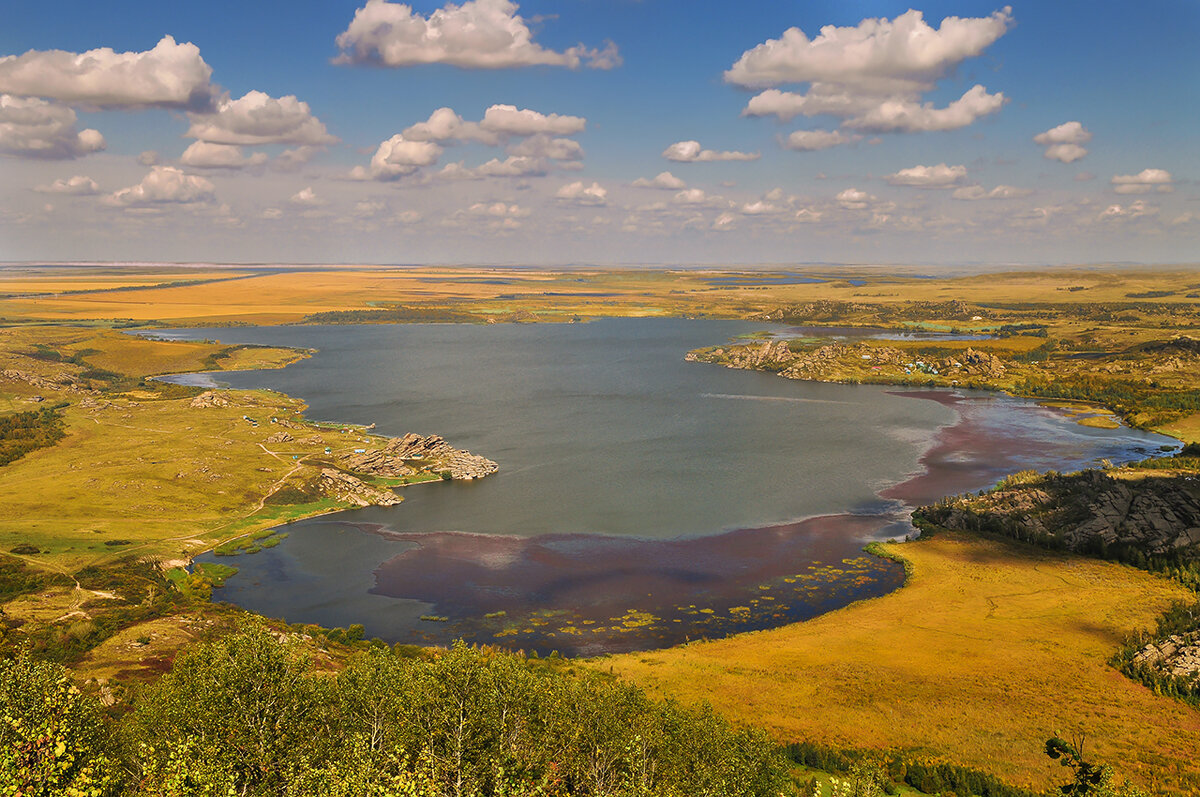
(642, 500)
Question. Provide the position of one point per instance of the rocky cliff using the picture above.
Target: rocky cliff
(1090, 511)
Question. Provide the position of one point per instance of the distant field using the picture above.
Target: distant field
(288, 296)
(988, 650)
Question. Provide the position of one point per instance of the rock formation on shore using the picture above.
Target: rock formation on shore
(353, 490)
(1086, 511)
(433, 453)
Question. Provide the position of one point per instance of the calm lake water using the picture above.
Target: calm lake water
(642, 500)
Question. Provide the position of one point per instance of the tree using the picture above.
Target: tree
(1089, 779)
(51, 736)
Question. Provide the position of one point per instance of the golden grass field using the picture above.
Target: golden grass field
(988, 650)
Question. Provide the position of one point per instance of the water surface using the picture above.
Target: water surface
(642, 500)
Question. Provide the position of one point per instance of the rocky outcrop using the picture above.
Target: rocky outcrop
(43, 383)
(977, 363)
(1086, 511)
(406, 455)
(209, 398)
(353, 490)
(1178, 655)
(771, 355)
(279, 437)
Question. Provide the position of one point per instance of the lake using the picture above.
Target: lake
(641, 501)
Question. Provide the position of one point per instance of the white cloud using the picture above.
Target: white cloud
(872, 76)
(976, 192)
(759, 208)
(939, 176)
(169, 76)
(148, 158)
(811, 140)
(203, 155)
(478, 34)
(1134, 210)
(692, 196)
(724, 222)
(512, 166)
(904, 54)
(808, 215)
(1064, 143)
(544, 146)
(77, 186)
(498, 210)
(409, 216)
(163, 185)
(1143, 182)
(446, 125)
(35, 128)
(509, 120)
(396, 158)
(306, 198)
(691, 152)
(854, 199)
(593, 194)
(271, 214)
(662, 180)
(903, 115)
(257, 118)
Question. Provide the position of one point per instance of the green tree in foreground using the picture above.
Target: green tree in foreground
(52, 739)
(249, 715)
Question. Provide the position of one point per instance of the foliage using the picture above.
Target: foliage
(1088, 778)
(22, 432)
(1182, 618)
(392, 315)
(862, 770)
(52, 741)
(17, 578)
(250, 714)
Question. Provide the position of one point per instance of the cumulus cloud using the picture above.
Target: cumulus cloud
(760, 207)
(808, 215)
(976, 192)
(691, 152)
(903, 115)
(939, 176)
(873, 75)
(257, 118)
(904, 53)
(1064, 143)
(396, 158)
(306, 198)
(76, 186)
(1134, 210)
(479, 34)
(724, 222)
(498, 210)
(512, 166)
(854, 199)
(203, 155)
(169, 76)
(35, 128)
(148, 158)
(510, 120)
(593, 194)
(692, 196)
(544, 146)
(811, 140)
(662, 180)
(163, 185)
(446, 125)
(1143, 182)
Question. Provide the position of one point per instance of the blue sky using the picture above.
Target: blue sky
(899, 134)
